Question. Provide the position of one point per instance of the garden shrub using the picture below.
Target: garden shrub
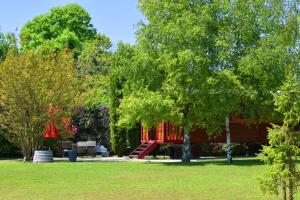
(134, 137)
(7, 148)
(92, 124)
(120, 142)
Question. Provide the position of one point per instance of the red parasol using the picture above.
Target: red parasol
(51, 131)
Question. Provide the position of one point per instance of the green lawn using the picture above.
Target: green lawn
(204, 180)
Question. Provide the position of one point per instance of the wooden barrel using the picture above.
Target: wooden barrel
(43, 156)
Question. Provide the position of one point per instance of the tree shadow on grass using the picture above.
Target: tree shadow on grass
(203, 162)
(221, 162)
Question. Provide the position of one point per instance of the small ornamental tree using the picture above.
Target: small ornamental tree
(31, 84)
(283, 149)
(284, 142)
(92, 124)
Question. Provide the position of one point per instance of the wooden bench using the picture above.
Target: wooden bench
(87, 148)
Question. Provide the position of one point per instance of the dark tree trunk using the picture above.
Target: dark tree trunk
(186, 149)
(228, 141)
(291, 185)
(283, 186)
(27, 153)
(291, 166)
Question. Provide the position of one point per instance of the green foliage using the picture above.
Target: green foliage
(197, 62)
(224, 91)
(204, 59)
(92, 123)
(63, 27)
(184, 68)
(281, 57)
(7, 148)
(275, 73)
(70, 27)
(276, 157)
(92, 70)
(6, 42)
(120, 61)
(147, 107)
(172, 48)
(94, 56)
(263, 69)
(33, 83)
(284, 141)
(120, 141)
(134, 137)
(287, 100)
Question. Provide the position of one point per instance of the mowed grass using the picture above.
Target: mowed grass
(204, 180)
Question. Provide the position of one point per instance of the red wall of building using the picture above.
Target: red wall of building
(240, 133)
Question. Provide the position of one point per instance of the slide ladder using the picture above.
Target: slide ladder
(143, 150)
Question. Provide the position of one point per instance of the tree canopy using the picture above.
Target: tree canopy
(198, 62)
(177, 52)
(92, 69)
(70, 27)
(63, 27)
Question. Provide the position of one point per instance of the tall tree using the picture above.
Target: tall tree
(131, 70)
(238, 31)
(281, 154)
(178, 53)
(251, 58)
(63, 27)
(121, 61)
(32, 84)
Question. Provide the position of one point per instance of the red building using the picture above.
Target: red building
(167, 133)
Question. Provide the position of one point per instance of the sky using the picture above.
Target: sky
(117, 19)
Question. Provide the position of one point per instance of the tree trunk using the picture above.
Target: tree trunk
(228, 142)
(26, 147)
(27, 153)
(291, 185)
(186, 150)
(291, 192)
(283, 186)
(291, 165)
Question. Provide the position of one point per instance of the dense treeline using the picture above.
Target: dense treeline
(195, 64)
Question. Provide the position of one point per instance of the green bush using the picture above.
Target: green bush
(7, 148)
(92, 124)
(120, 142)
(134, 137)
